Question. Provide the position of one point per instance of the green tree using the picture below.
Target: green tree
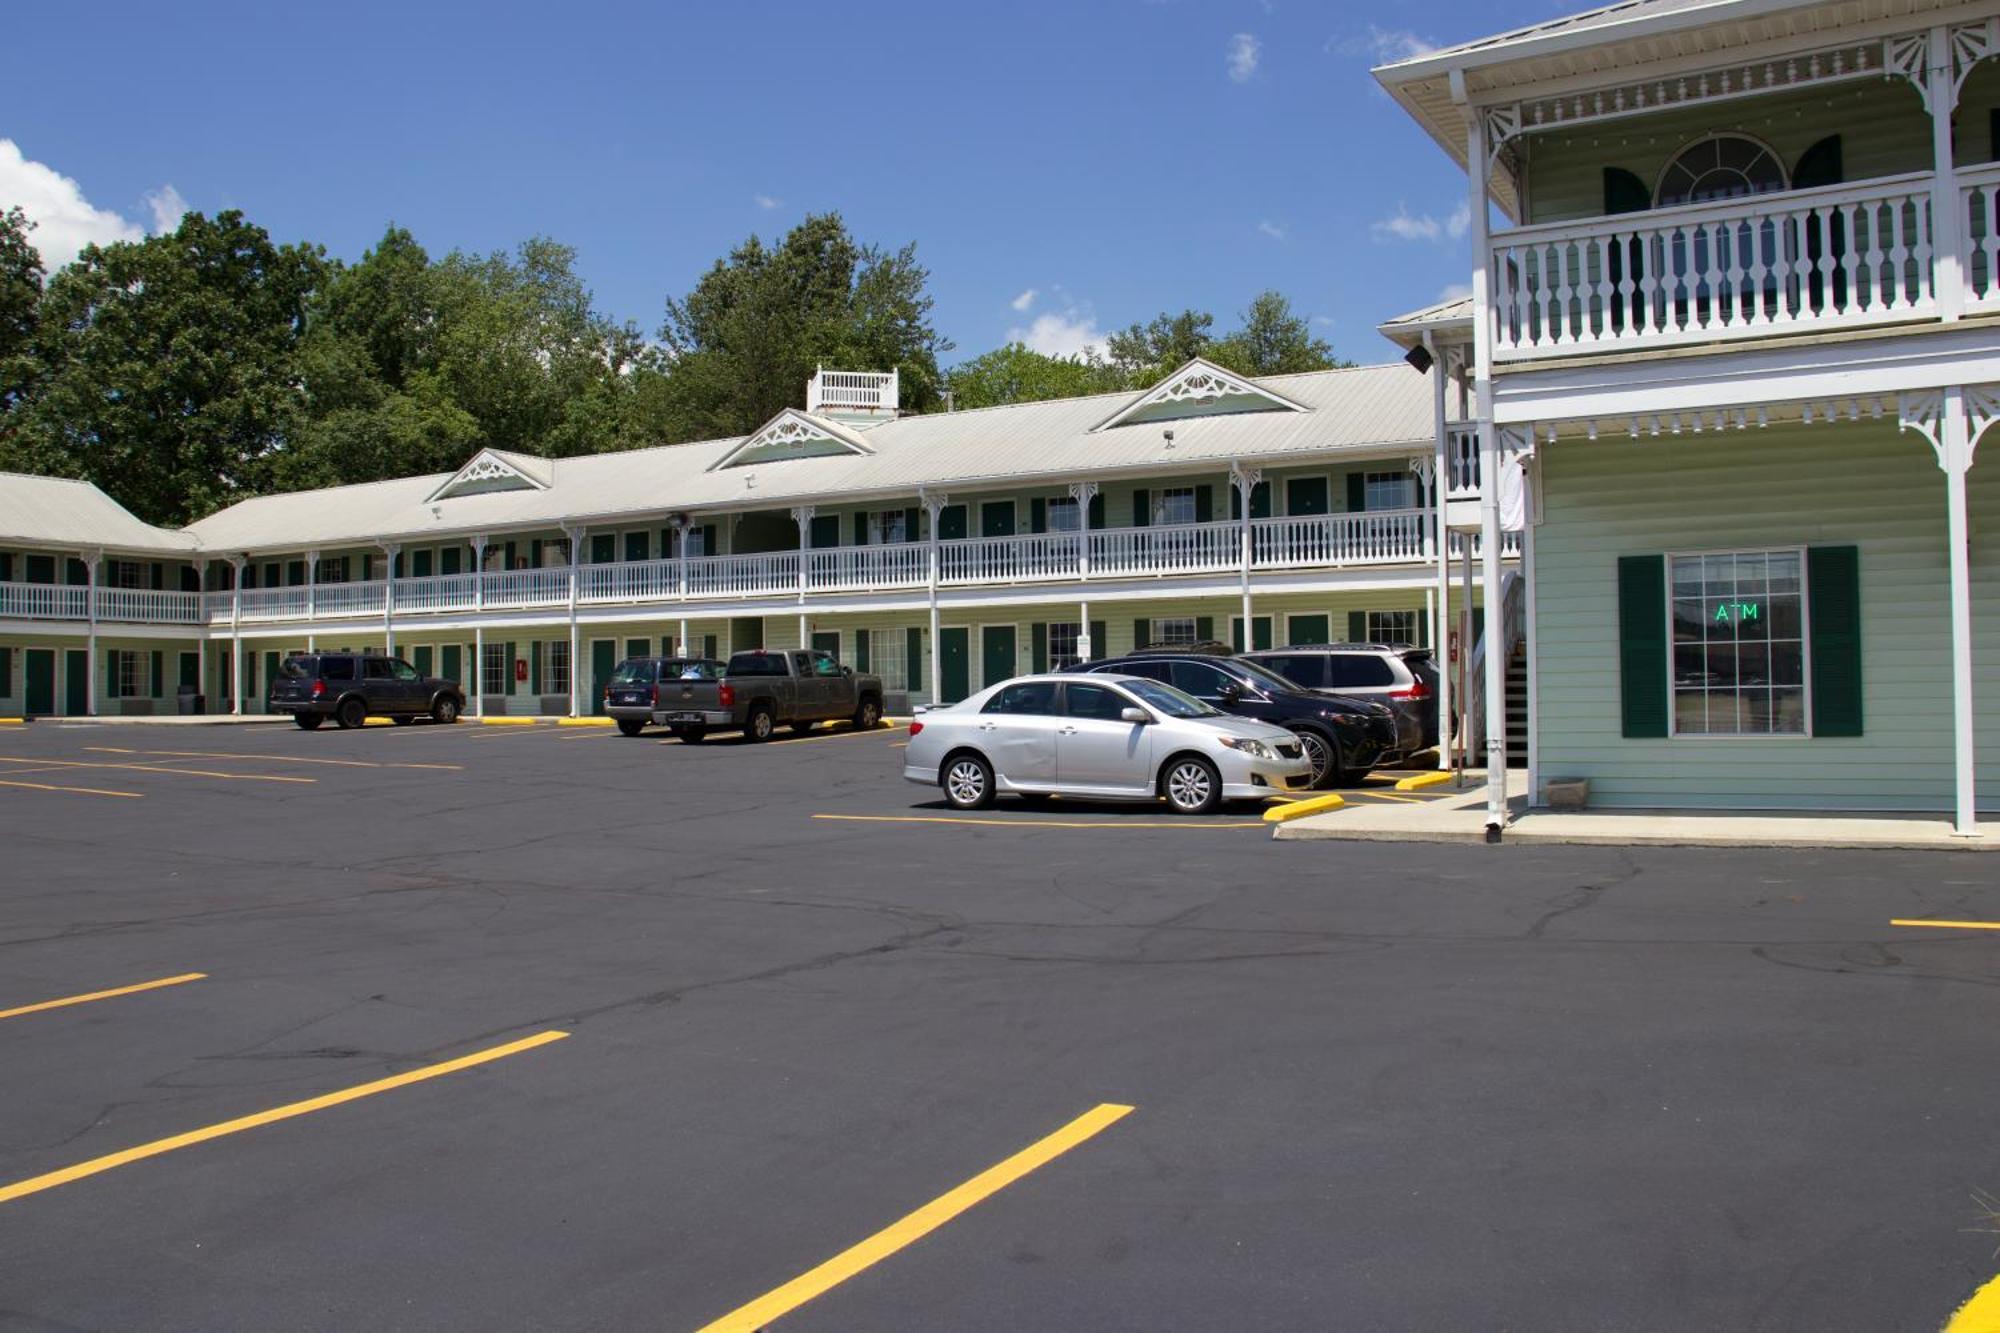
(1016, 374)
(166, 369)
(20, 296)
(749, 335)
(1273, 341)
(1144, 353)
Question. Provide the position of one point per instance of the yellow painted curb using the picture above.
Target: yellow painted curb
(508, 721)
(1980, 1314)
(380, 722)
(586, 721)
(1311, 805)
(13, 721)
(1418, 781)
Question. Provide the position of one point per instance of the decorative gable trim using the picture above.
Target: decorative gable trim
(793, 434)
(1199, 388)
(487, 471)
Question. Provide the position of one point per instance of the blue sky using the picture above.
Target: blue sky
(1064, 168)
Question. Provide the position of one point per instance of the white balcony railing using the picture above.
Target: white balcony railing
(1037, 556)
(1461, 462)
(1980, 189)
(146, 606)
(1841, 256)
(633, 581)
(513, 589)
(852, 391)
(864, 568)
(350, 599)
(1182, 548)
(434, 592)
(1386, 537)
(44, 601)
(743, 575)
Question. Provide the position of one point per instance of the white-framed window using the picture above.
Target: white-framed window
(555, 666)
(1720, 166)
(694, 541)
(1172, 631)
(495, 671)
(886, 526)
(1063, 646)
(1392, 627)
(128, 674)
(127, 574)
(1064, 516)
(1739, 658)
(1389, 490)
(1175, 505)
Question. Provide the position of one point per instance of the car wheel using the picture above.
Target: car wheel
(1323, 755)
(1191, 786)
(351, 714)
(308, 721)
(869, 715)
(760, 724)
(445, 710)
(690, 735)
(967, 782)
(803, 728)
(630, 726)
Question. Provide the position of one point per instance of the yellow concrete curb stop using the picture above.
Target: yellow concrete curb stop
(586, 721)
(1421, 780)
(1311, 805)
(507, 721)
(13, 721)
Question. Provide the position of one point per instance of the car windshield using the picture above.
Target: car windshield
(695, 670)
(1168, 700)
(633, 673)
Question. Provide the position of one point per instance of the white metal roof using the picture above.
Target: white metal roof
(1365, 409)
(1453, 315)
(55, 511)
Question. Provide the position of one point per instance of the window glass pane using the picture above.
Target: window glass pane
(1199, 679)
(1094, 701)
(1173, 631)
(337, 668)
(1739, 649)
(1176, 505)
(1063, 516)
(1390, 490)
(1306, 669)
(1358, 669)
(404, 671)
(1034, 697)
(377, 669)
(1392, 626)
(1063, 644)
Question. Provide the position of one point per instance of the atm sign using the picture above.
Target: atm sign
(1737, 612)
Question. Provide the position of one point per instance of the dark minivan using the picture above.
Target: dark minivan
(640, 688)
(352, 687)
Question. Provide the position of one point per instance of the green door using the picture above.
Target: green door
(644, 647)
(951, 523)
(271, 661)
(454, 663)
(827, 641)
(603, 660)
(1260, 633)
(76, 683)
(1307, 629)
(422, 658)
(1305, 495)
(41, 670)
(996, 519)
(996, 654)
(954, 663)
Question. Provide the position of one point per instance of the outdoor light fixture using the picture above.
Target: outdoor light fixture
(1170, 438)
(1420, 358)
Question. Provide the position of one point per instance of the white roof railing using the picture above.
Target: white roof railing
(872, 392)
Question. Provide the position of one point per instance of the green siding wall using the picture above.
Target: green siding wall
(1864, 484)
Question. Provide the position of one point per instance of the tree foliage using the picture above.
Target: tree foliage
(1016, 374)
(1272, 341)
(20, 296)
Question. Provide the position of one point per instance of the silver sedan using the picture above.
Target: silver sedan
(1118, 738)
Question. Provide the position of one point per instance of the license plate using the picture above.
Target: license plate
(631, 698)
(683, 717)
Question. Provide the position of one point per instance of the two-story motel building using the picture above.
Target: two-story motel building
(1741, 322)
(943, 552)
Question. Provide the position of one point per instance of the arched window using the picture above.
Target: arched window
(1722, 166)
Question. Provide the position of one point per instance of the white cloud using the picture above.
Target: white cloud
(1066, 334)
(167, 207)
(1403, 225)
(1244, 51)
(1023, 301)
(1382, 46)
(1459, 222)
(1277, 231)
(768, 202)
(64, 220)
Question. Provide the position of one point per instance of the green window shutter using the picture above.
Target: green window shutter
(534, 667)
(1357, 627)
(1357, 492)
(397, 565)
(6, 671)
(159, 576)
(860, 529)
(507, 670)
(420, 563)
(1423, 628)
(913, 659)
(1142, 508)
(111, 674)
(1038, 519)
(6, 566)
(709, 545)
(636, 546)
(78, 572)
(159, 681)
(1642, 645)
(535, 554)
(913, 525)
(190, 667)
(1204, 628)
(1204, 504)
(825, 531)
(667, 551)
(511, 552)
(1095, 518)
(1038, 646)
(41, 569)
(861, 650)
(1833, 594)
(449, 560)
(1625, 192)
(1142, 634)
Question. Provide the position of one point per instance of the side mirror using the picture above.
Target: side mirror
(1136, 715)
(847, 671)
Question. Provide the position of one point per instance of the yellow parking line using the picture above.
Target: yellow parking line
(1980, 1313)
(157, 768)
(1044, 823)
(504, 721)
(1385, 796)
(75, 791)
(915, 1226)
(590, 721)
(265, 758)
(1947, 925)
(134, 989)
(36, 1184)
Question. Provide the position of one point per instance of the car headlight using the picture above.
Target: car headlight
(1256, 749)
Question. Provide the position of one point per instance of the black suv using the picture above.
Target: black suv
(349, 687)
(1344, 738)
(632, 696)
(1396, 674)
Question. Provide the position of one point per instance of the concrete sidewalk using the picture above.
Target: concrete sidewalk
(169, 720)
(1460, 816)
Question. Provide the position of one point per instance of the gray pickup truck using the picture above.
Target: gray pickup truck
(762, 690)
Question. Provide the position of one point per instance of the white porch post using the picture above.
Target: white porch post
(1531, 514)
(1479, 165)
(803, 516)
(1083, 492)
(684, 650)
(90, 563)
(1940, 90)
(680, 527)
(236, 563)
(574, 536)
(1245, 481)
(312, 580)
(1087, 648)
(201, 619)
(479, 625)
(1441, 628)
(389, 552)
(933, 507)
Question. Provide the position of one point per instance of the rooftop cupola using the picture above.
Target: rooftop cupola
(857, 398)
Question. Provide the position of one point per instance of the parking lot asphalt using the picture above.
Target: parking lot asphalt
(547, 1028)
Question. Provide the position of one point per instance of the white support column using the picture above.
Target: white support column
(1479, 163)
(91, 560)
(312, 600)
(574, 536)
(479, 625)
(1245, 482)
(236, 564)
(1087, 648)
(1083, 492)
(1530, 517)
(684, 649)
(390, 550)
(201, 619)
(1441, 624)
(803, 516)
(934, 505)
(680, 527)
(1947, 209)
